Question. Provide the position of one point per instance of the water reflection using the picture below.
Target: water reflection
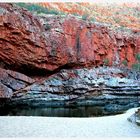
(59, 112)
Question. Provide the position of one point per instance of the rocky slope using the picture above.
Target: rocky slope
(124, 14)
(42, 46)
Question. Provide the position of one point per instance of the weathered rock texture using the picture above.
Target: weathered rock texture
(11, 81)
(36, 45)
(41, 45)
(83, 87)
(105, 80)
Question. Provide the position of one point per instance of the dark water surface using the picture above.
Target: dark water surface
(89, 111)
(85, 108)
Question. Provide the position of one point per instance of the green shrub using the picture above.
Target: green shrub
(136, 66)
(106, 61)
(138, 57)
(47, 27)
(84, 17)
(125, 63)
(32, 7)
(37, 8)
(75, 14)
(93, 19)
(117, 20)
(54, 12)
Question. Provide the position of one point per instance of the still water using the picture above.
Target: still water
(87, 111)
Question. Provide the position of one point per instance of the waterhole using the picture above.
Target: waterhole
(88, 111)
(85, 108)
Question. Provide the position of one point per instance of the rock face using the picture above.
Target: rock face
(21, 40)
(84, 87)
(41, 45)
(11, 81)
(106, 80)
(35, 45)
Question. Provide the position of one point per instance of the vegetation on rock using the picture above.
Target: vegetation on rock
(136, 66)
(84, 17)
(118, 15)
(125, 62)
(138, 57)
(38, 9)
(106, 61)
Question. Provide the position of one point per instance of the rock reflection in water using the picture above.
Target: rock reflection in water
(59, 112)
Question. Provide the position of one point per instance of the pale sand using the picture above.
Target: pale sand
(110, 126)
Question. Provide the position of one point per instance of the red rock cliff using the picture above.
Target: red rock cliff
(35, 45)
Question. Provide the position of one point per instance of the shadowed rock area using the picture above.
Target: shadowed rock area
(11, 81)
(80, 87)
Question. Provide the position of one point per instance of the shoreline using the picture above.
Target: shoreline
(107, 126)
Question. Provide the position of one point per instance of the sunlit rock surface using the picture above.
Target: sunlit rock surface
(37, 44)
(60, 55)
